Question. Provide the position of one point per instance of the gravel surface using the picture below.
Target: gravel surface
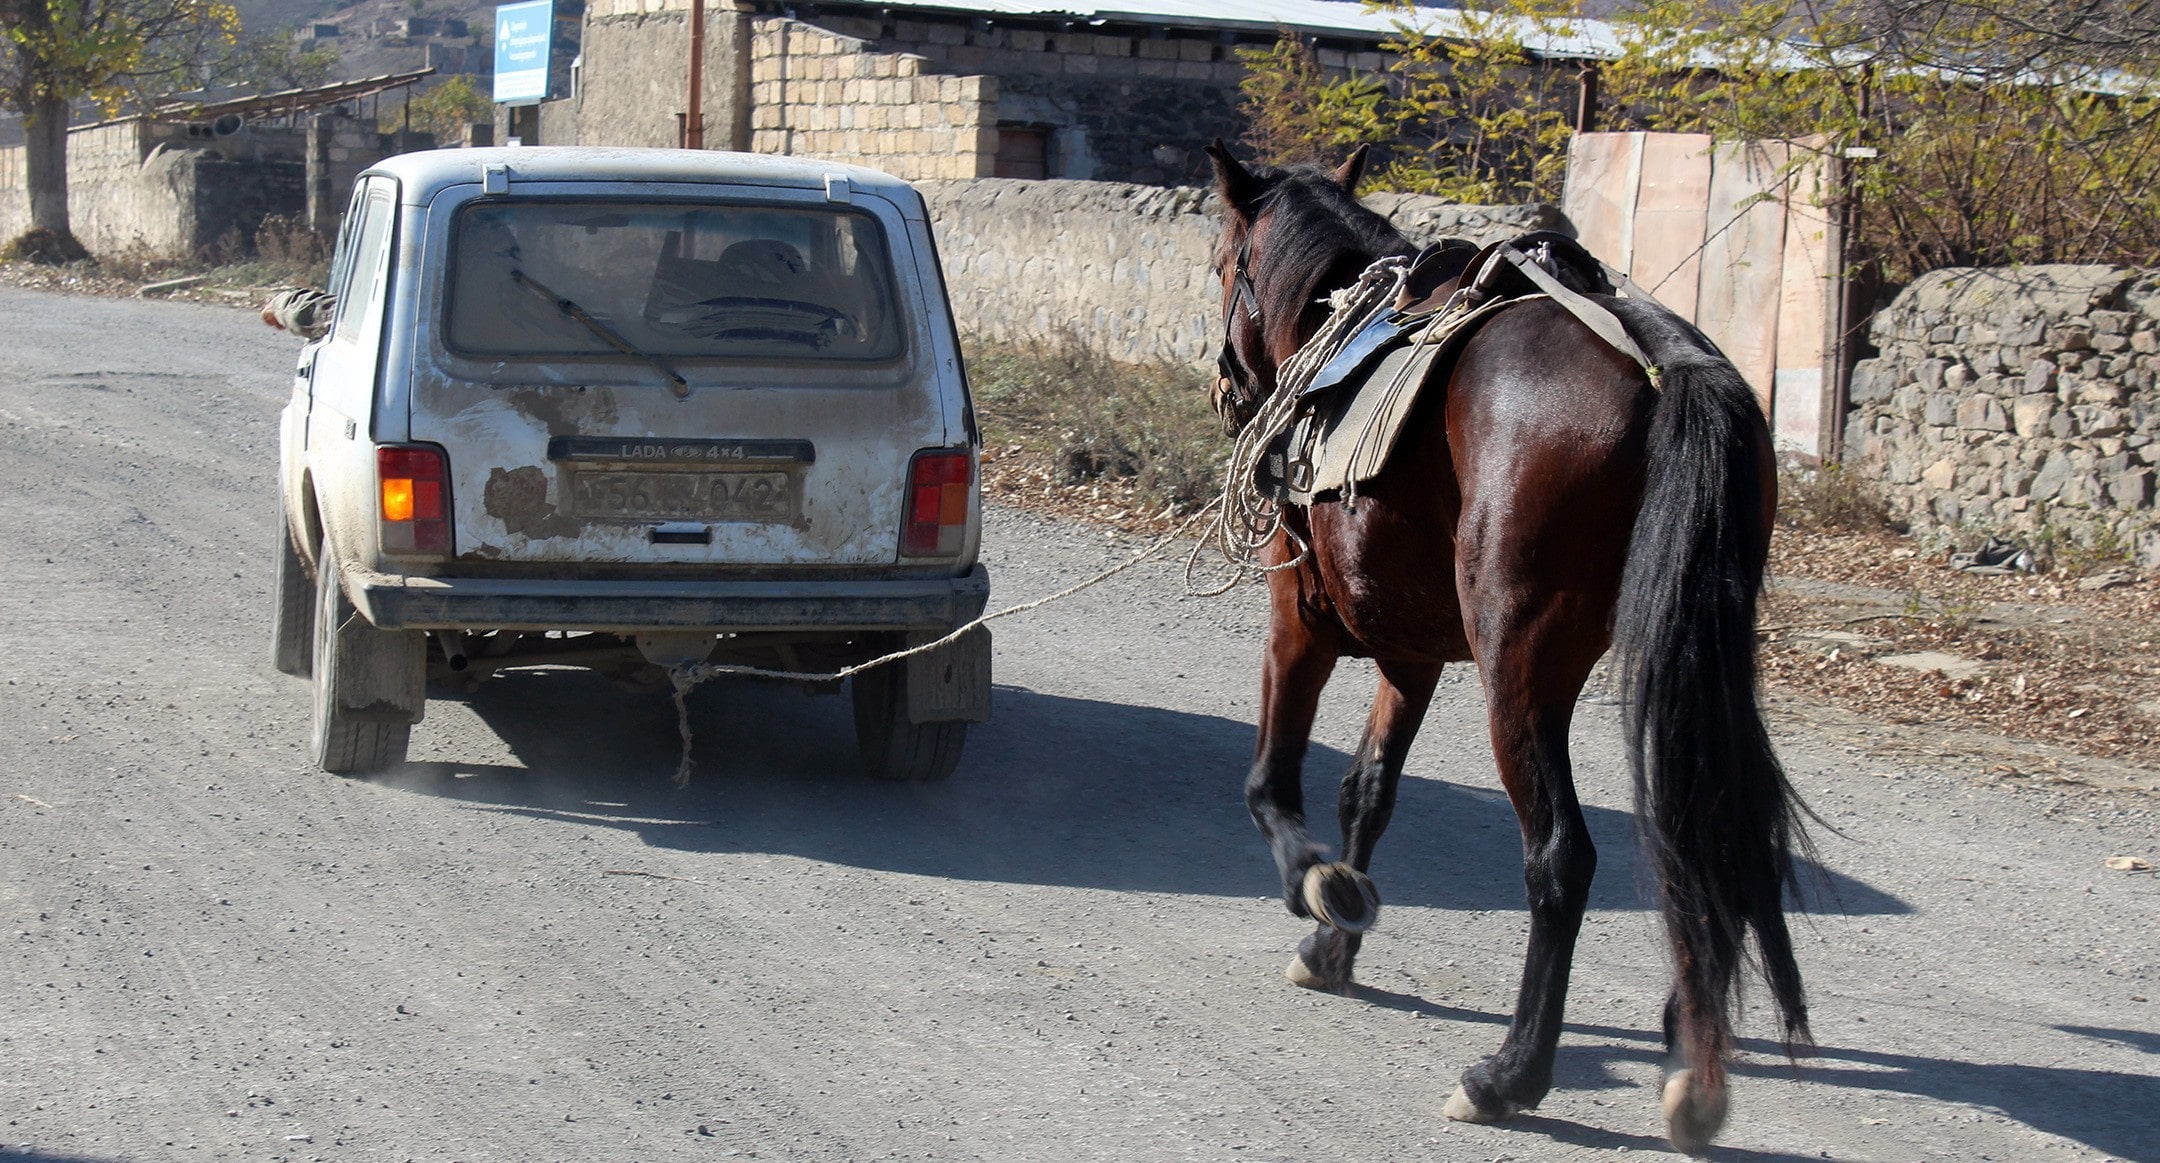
(527, 945)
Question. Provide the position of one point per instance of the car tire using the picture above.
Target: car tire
(893, 746)
(292, 607)
(346, 744)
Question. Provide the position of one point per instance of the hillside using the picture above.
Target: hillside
(373, 37)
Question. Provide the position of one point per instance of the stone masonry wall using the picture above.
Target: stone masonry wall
(1124, 269)
(1119, 102)
(635, 76)
(820, 94)
(2017, 401)
(339, 147)
(133, 188)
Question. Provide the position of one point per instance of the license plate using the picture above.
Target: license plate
(683, 496)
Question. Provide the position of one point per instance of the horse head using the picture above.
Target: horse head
(1289, 237)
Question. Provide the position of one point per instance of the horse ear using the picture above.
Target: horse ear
(1231, 176)
(1353, 168)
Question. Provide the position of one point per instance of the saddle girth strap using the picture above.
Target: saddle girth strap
(1592, 314)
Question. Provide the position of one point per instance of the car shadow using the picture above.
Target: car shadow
(1053, 790)
(2109, 1111)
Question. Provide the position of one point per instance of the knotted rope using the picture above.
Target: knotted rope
(686, 677)
(1251, 515)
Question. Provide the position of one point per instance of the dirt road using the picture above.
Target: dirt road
(529, 946)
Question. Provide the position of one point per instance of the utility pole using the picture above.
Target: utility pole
(694, 124)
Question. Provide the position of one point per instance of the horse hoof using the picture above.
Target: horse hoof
(1692, 1117)
(1306, 977)
(1464, 1109)
(1341, 896)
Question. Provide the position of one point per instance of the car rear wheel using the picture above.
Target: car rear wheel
(352, 657)
(892, 745)
(292, 602)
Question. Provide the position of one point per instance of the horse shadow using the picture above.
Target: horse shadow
(2113, 1112)
(1054, 791)
(1071, 792)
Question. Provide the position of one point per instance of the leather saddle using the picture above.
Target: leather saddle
(1350, 412)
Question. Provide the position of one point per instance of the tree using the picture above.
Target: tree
(1473, 115)
(1993, 131)
(56, 52)
(1295, 113)
(447, 108)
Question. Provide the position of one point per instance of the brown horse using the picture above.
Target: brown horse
(1547, 501)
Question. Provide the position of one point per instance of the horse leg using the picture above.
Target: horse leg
(1694, 1096)
(1298, 665)
(1325, 959)
(1531, 698)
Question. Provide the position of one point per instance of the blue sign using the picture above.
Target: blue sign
(524, 35)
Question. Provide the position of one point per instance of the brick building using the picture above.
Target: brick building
(951, 88)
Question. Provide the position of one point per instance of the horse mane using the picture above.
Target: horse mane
(1319, 237)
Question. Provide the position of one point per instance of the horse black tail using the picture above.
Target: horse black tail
(1721, 821)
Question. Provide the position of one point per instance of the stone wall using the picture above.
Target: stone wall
(172, 189)
(1108, 101)
(1115, 103)
(339, 147)
(140, 187)
(817, 93)
(634, 75)
(2019, 401)
(1124, 269)
(1116, 107)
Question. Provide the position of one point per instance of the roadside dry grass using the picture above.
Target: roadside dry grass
(234, 270)
(1068, 430)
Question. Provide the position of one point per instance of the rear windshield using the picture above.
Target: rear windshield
(671, 279)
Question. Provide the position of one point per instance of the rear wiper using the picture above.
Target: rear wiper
(680, 385)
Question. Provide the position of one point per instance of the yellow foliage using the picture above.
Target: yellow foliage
(2000, 140)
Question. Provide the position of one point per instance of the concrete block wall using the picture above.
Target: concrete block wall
(635, 76)
(338, 148)
(1117, 107)
(1124, 269)
(2017, 401)
(817, 93)
(120, 198)
(143, 188)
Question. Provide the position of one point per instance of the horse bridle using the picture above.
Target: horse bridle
(1236, 391)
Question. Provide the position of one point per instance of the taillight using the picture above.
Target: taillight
(937, 508)
(415, 493)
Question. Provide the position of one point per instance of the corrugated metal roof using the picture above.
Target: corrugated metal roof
(1574, 38)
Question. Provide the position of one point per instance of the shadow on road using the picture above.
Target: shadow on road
(1054, 791)
(2112, 1112)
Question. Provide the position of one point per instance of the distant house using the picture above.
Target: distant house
(954, 88)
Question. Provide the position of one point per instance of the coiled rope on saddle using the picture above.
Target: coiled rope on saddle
(1250, 514)
(1253, 506)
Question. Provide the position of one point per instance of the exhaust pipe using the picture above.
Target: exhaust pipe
(453, 648)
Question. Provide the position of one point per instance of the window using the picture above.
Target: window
(341, 256)
(369, 273)
(1023, 152)
(673, 280)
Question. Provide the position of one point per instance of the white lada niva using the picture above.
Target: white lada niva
(631, 410)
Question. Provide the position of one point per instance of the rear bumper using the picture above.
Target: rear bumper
(396, 602)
